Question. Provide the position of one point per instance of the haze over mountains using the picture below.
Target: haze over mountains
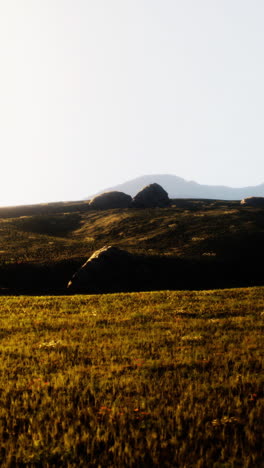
(177, 187)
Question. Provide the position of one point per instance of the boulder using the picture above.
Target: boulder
(151, 196)
(111, 269)
(257, 202)
(110, 200)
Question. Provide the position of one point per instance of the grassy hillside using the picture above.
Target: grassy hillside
(146, 379)
(43, 245)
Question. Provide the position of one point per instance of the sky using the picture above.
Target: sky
(97, 92)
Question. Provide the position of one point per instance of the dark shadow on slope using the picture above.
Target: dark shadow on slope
(52, 225)
(164, 273)
(37, 279)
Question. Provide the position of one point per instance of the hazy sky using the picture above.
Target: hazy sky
(96, 92)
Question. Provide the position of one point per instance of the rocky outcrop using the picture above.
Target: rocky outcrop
(151, 196)
(110, 200)
(111, 269)
(257, 202)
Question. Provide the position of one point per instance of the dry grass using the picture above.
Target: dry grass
(149, 379)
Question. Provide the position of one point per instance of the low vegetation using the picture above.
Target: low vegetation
(42, 246)
(167, 379)
(188, 228)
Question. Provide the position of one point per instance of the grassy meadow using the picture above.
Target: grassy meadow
(169, 379)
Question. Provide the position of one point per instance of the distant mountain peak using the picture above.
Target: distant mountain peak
(177, 187)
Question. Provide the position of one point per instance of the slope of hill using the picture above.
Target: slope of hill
(178, 187)
(193, 243)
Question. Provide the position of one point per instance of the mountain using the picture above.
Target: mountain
(177, 187)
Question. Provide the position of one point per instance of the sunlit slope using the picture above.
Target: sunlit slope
(220, 243)
(198, 228)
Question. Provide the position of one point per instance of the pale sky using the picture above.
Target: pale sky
(97, 92)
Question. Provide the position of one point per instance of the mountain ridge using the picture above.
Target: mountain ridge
(178, 187)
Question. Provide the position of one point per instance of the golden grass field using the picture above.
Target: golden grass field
(168, 378)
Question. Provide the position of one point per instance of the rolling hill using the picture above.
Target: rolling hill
(194, 244)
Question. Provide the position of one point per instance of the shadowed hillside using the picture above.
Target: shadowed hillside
(196, 243)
